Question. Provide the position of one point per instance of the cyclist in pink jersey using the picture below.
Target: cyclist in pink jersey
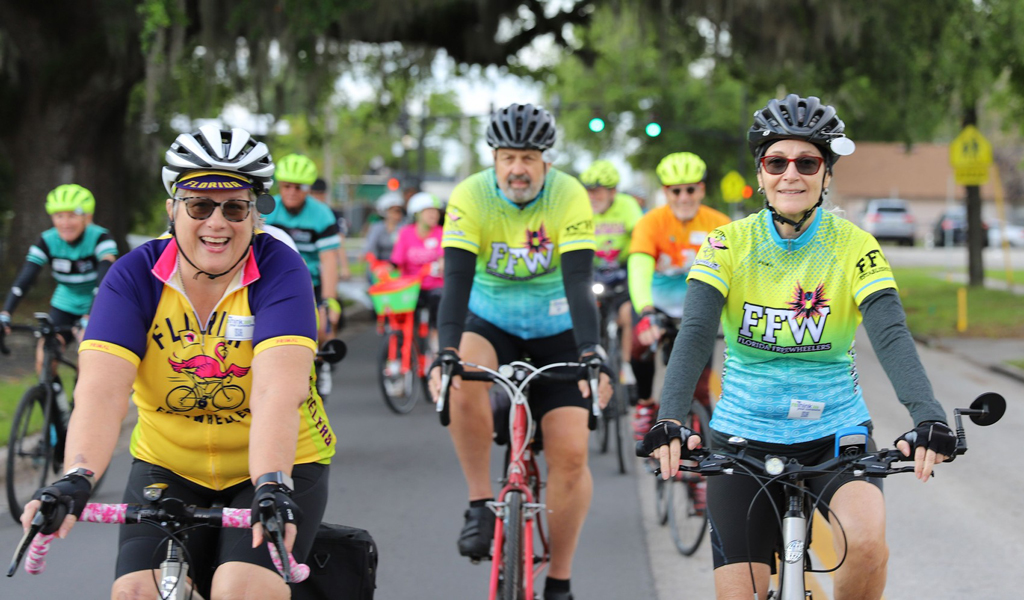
(419, 244)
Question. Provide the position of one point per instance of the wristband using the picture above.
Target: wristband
(277, 477)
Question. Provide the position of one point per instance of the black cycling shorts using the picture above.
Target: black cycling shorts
(62, 319)
(143, 547)
(730, 496)
(545, 396)
(431, 300)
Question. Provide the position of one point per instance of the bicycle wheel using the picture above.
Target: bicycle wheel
(661, 499)
(512, 553)
(401, 389)
(688, 496)
(29, 449)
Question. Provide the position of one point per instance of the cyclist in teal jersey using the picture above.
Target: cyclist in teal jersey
(518, 258)
(79, 254)
(791, 285)
(615, 216)
(311, 224)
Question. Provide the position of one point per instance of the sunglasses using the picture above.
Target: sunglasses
(690, 190)
(805, 165)
(200, 208)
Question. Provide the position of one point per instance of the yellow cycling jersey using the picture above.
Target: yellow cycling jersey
(193, 383)
(790, 317)
(612, 231)
(518, 285)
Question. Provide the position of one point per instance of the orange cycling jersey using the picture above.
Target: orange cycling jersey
(673, 245)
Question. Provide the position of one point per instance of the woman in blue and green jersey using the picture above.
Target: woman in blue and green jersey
(791, 284)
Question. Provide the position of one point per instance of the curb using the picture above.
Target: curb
(1000, 368)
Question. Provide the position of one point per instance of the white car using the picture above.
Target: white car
(1014, 234)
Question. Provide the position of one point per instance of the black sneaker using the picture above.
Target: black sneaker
(477, 533)
(557, 595)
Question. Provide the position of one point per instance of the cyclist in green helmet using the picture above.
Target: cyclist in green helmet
(615, 215)
(78, 253)
(311, 224)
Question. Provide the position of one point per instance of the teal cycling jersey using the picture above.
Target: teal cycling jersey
(73, 266)
(313, 228)
(518, 284)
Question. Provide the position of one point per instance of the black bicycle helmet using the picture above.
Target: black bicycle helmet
(521, 127)
(803, 119)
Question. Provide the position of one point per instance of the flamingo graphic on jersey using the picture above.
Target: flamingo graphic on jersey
(206, 367)
(210, 383)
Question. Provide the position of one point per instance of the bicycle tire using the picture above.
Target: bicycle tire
(512, 553)
(661, 500)
(688, 495)
(29, 454)
(411, 388)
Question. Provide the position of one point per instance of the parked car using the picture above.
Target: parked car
(889, 219)
(1014, 234)
(951, 228)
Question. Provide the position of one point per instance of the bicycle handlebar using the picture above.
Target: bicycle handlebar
(986, 409)
(237, 518)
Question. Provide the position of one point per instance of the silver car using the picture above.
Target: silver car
(889, 219)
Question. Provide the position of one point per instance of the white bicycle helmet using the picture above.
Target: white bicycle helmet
(210, 148)
(422, 201)
(389, 200)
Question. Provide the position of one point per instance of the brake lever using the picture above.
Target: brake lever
(46, 509)
(593, 376)
(274, 528)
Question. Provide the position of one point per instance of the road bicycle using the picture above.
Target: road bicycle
(520, 514)
(402, 359)
(176, 519)
(35, 448)
(851, 457)
(610, 427)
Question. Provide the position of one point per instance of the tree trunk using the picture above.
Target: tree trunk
(975, 233)
(70, 122)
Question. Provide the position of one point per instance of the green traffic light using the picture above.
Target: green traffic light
(653, 129)
(596, 124)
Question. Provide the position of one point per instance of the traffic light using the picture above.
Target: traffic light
(747, 192)
(596, 124)
(652, 129)
(393, 184)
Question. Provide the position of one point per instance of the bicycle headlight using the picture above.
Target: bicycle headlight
(774, 465)
(598, 288)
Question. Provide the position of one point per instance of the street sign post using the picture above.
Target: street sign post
(732, 187)
(970, 155)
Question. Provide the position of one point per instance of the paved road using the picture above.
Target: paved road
(397, 476)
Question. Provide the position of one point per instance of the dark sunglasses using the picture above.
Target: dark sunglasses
(200, 208)
(805, 165)
(690, 190)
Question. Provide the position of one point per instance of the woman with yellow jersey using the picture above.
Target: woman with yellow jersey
(794, 281)
(211, 332)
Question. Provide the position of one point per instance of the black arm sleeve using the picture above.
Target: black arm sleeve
(459, 268)
(22, 284)
(886, 324)
(578, 279)
(101, 270)
(702, 311)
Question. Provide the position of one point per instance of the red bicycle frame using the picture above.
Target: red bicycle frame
(522, 476)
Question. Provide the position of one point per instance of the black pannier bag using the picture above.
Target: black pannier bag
(342, 563)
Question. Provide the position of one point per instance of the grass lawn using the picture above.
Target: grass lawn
(11, 390)
(931, 306)
(1016, 363)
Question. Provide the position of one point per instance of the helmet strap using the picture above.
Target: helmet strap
(796, 224)
(199, 271)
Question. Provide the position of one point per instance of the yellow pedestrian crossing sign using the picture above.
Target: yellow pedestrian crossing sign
(732, 187)
(970, 155)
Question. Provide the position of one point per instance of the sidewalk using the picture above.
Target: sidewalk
(985, 352)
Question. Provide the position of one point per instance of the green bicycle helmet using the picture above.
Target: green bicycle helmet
(296, 168)
(70, 198)
(681, 168)
(602, 173)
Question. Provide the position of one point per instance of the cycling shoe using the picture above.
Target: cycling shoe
(477, 533)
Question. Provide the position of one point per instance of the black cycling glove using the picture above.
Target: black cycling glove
(933, 435)
(661, 434)
(281, 498)
(593, 356)
(71, 493)
(447, 356)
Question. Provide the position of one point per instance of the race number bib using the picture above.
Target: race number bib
(805, 410)
(240, 328)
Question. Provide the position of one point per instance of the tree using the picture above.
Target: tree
(87, 91)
